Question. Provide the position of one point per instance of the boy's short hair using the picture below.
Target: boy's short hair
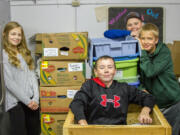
(103, 57)
(150, 27)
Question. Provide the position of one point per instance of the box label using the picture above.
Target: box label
(71, 93)
(73, 67)
(64, 53)
(50, 51)
(119, 74)
(44, 65)
(46, 119)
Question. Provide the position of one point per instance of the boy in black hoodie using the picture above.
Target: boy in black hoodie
(103, 100)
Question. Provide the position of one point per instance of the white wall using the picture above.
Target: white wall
(54, 16)
(60, 16)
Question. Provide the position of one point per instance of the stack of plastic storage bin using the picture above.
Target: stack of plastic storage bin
(125, 53)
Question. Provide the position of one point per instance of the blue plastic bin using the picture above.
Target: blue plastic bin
(136, 84)
(116, 48)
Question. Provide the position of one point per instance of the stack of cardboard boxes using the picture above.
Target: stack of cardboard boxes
(62, 72)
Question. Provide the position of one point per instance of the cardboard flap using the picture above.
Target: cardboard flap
(175, 53)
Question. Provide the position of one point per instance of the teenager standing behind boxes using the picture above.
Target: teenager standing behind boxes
(133, 22)
(22, 94)
(157, 76)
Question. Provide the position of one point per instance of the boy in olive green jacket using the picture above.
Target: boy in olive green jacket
(157, 76)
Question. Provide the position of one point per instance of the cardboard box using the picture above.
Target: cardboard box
(56, 99)
(175, 53)
(159, 126)
(63, 46)
(62, 73)
(52, 124)
(38, 49)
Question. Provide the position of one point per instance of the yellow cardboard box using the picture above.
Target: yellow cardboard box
(51, 124)
(63, 46)
(56, 99)
(62, 73)
(38, 49)
(175, 53)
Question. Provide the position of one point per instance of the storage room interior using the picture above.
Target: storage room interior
(91, 16)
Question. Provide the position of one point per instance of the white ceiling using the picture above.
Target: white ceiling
(27, 0)
(22, 0)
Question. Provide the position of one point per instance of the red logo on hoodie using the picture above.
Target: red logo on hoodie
(114, 101)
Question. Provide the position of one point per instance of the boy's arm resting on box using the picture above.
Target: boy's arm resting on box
(159, 65)
(79, 104)
(144, 117)
(139, 97)
(144, 99)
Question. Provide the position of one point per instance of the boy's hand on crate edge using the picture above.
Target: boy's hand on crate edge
(144, 117)
(83, 122)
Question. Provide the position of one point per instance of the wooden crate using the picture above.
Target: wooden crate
(159, 126)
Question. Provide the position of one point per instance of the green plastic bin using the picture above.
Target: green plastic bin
(126, 68)
(127, 79)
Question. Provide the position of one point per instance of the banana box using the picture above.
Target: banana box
(56, 99)
(63, 46)
(62, 73)
(52, 124)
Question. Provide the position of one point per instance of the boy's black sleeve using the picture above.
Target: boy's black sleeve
(80, 102)
(142, 98)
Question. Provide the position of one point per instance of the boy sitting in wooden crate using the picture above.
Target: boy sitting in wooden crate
(105, 101)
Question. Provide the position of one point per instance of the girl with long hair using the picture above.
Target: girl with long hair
(22, 94)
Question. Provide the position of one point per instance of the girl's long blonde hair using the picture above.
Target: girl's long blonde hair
(22, 47)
